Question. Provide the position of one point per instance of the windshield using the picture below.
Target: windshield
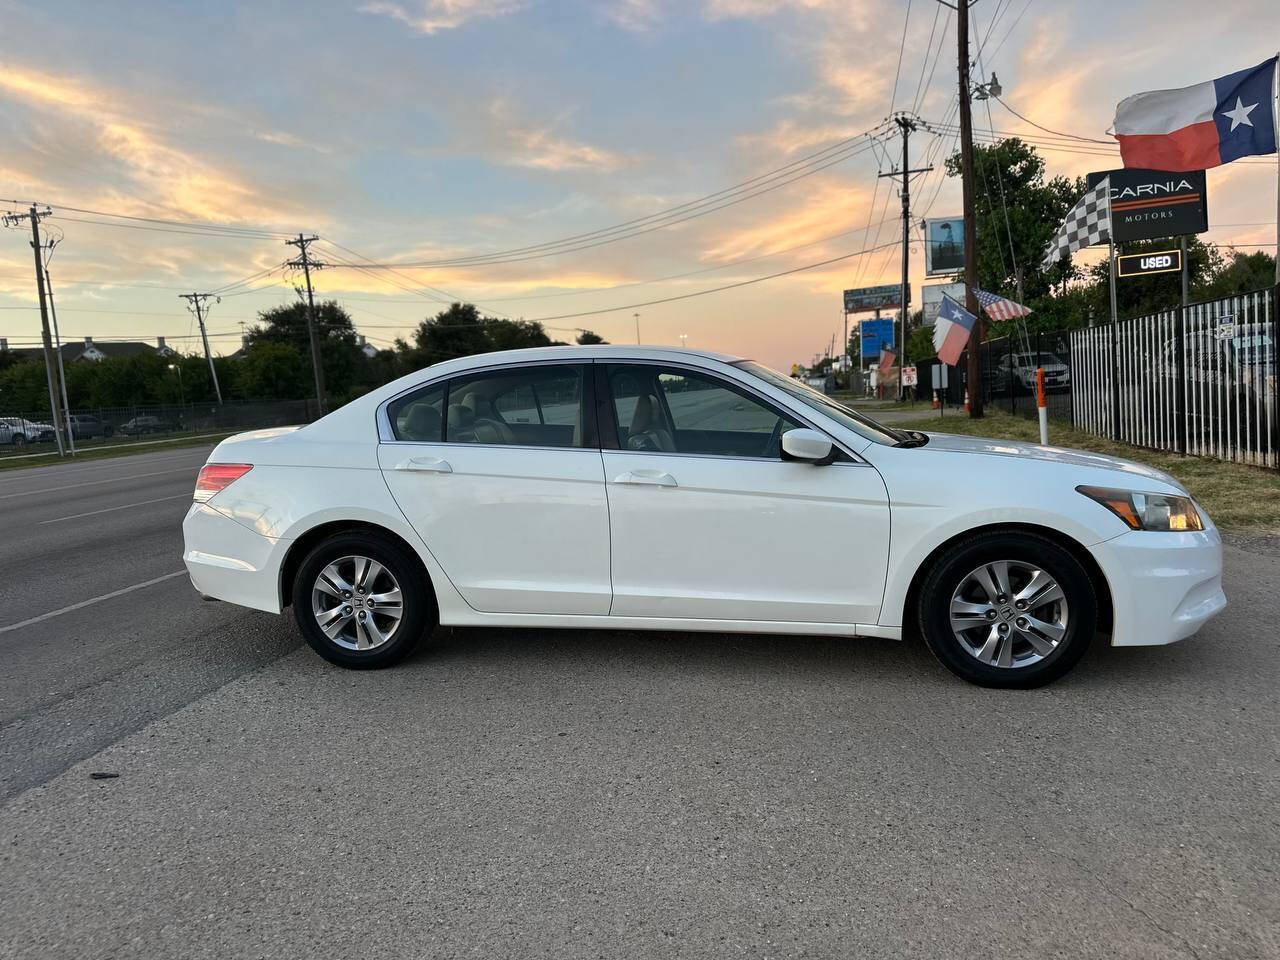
(862, 425)
(1043, 359)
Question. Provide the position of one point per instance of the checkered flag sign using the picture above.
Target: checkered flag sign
(1089, 222)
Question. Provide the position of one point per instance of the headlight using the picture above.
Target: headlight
(1148, 511)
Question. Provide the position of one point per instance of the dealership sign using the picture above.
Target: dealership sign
(943, 246)
(885, 297)
(1147, 204)
(1141, 264)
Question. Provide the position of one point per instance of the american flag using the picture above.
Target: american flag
(998, 307)
(887, 357)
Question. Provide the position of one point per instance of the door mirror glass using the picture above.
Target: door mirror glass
(807, 445)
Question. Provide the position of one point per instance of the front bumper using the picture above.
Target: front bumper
(228, 561)
(1164, 586)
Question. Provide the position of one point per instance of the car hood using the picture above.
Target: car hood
(953, 443)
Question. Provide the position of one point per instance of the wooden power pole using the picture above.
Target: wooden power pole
(306, 264)
(974, 368)
(55, 404)
(197, 301)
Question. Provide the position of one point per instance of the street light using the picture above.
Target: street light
(182, 395)
(984, 91)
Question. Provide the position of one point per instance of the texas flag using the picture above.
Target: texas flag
(1200, 126)
(951, 332)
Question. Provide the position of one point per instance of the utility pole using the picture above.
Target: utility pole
(55, 405)
(57, 351)
(306, 263)
(973, 368)
(197, 302)
(637, 319)
(906, 126)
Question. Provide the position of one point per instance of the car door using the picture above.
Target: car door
(708, 522)
(499, 471)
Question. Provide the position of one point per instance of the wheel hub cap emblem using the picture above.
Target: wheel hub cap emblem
(1007, 613)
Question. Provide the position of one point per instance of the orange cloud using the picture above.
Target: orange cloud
(168, 175)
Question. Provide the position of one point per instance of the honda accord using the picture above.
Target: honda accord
(665, 489)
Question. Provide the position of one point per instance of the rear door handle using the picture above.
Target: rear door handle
(653, 478)
(425, 465)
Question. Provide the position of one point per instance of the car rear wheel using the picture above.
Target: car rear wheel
(1010, 610)
(362, 601)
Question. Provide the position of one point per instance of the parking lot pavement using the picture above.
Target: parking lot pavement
(553, 793)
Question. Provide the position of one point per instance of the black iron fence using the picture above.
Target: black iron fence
(1199, 379)
(31, 431)
(1008, 368)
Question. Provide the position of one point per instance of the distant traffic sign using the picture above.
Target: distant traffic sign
(885, 297)
(1141, 264)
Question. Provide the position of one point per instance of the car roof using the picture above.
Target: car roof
(594, 351)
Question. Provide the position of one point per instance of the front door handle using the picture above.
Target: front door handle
(425, 465)
(653, 478)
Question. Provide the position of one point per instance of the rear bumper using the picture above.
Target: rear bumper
(1164, 586)
(228, 561)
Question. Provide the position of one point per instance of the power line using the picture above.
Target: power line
(1071, 136)
(703, 293)
(748, 189)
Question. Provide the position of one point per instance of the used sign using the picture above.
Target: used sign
(1141, 264)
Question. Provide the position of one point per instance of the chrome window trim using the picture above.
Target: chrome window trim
(386, 435)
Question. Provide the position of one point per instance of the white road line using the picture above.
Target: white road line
(85, 603)
(125, 506)
(91, 483)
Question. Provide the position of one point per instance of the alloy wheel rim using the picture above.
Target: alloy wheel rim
(1009, 614)
(357, 603)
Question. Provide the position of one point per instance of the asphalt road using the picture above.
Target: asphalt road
(559, 794)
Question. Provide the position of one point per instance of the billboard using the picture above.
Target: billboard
(943, 246)
(932, 296)
(1148, 204)
(885, 297)
(876, 334)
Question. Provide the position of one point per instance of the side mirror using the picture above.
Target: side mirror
(809, 446)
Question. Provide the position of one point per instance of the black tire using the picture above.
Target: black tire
(967, 556)
(418, 612)
(19, 440)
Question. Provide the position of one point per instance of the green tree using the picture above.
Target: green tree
(461, 331)
(1239, 273)
(1018, 211)
(273, 371)
(340, 354)
(587, 337)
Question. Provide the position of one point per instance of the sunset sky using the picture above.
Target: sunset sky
(412, 130)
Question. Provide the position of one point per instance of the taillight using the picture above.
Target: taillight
(218, 476)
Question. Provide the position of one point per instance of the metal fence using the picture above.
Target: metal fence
(1007, 366)
(31, 431)
(1199, 379)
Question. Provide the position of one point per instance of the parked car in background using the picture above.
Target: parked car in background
(17, 431)
(1021, 368)
(663, 489)
(145, 424)
(85, 426)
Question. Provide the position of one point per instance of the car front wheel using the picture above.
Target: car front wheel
(362, 601)
(1012, 610)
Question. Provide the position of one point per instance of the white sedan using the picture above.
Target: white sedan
(663, 489)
